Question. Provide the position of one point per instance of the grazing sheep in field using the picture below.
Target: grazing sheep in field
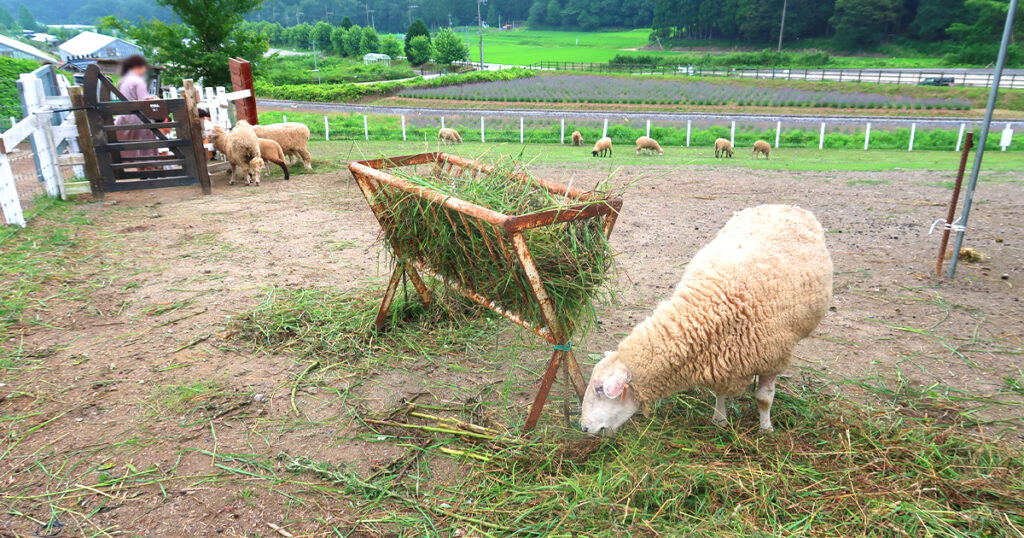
(761, 147)
(744, 302)
(449, 136)
(577, 138)
(271, 152)
(293, 137)
(603, 148)
(649, 144)
(242, 150)
(723, 148)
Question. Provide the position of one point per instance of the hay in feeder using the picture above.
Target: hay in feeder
(573, 258)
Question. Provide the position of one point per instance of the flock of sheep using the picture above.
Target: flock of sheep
(249, 147)
(603, 147)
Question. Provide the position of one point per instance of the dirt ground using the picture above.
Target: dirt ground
(161, 273)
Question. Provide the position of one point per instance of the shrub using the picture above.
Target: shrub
(449, 48)
(419, 50)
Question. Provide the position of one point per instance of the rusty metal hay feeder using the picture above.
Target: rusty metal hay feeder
(506, 247)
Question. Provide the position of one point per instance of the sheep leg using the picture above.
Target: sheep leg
(232, 180)
(719, 418)
(764, 395)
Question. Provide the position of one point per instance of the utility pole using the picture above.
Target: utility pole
(327, 15)
(368, 11)
(411, 7)
(480, 31)
(782, 25)
(297, 15)
(993, 94)
(316, 69)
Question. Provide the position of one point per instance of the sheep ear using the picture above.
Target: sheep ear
(613, 385)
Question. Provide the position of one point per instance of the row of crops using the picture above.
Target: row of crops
(597, 89)
(548, 131)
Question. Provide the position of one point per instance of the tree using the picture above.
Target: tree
(25, 19)
(419, 50)
(553, 14)
(202, 43)
(417, 28)
(934, 16)
(321, 35)
(298, 35)
(346, 23)
(369, 42)
(979, 40)
(449, 47)
(6, 20)
(537, 12)
(391, 46)
(338, 40)
(492, 16)
(353, 39)
(860, 23)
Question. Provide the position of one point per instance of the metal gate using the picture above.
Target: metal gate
(185, 164)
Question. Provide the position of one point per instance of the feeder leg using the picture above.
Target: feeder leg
(542, 392)
(389, 296)
(417, 282)
(575, 375)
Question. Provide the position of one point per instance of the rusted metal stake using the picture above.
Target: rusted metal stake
(968, 143)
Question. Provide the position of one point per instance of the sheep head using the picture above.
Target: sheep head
(608, 403)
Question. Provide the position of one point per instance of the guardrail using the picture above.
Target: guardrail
(960, 77)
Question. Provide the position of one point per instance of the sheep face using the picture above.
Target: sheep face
(608, 403)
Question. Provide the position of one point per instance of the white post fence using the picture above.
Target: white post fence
(732, 134)
(482, 139)
(821, 137)
(960, 137)
(688, 122)
(913, 131)
(562, 137)
(403, 127)
(648, 128)
(604, 133)
(521, 129)
(442, 122)
(778, 130)
(366, 129)
(327, 129)
(867, 135)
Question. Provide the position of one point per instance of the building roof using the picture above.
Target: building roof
(27, 49)
(86, 43)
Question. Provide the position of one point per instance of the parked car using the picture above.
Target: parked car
(936, 81)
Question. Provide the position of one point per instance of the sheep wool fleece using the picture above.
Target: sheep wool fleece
(745, 300)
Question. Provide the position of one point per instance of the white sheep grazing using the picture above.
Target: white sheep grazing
(761, 148)
(242, 149)
(603, 148)
(745, 300)
(723, 148)
(293, 137)
(649, 144)
(577, 138)
(449, 136)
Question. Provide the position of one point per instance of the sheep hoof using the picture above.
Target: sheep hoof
(721, 422)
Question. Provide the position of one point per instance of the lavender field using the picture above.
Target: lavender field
(598, 89)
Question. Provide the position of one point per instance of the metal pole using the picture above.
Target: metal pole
(482, 139)
(993, 93)
(520, 130)
(821, 137)
(366, 129)
(732, 133)
(960, 137)
(563, 132)
(778, 130)
(782, 25)
(403, 128)
(327, 129)
(688, 133)
(867, 135)
(913, 131)
(480, 30)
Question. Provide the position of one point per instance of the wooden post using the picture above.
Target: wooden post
(11, 204)
(92, 166)
(195, 126)
(867, 135)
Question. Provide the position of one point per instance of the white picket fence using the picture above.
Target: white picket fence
(215, 100)
(47, 138)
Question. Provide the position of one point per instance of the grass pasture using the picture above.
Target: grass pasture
(180, 365)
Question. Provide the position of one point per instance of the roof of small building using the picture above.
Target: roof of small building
(26, 48)
(376, 56)
(86, 43)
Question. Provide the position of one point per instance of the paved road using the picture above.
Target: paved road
(303, 106)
